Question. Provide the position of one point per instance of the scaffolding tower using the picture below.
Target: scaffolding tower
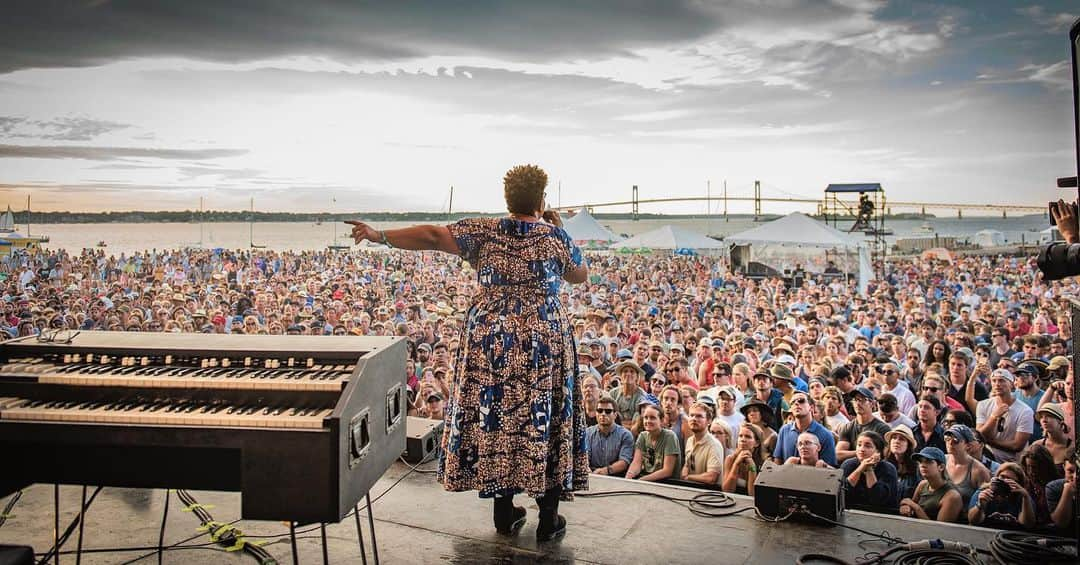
(865, 215)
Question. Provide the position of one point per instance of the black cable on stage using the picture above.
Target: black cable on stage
(7, 507)
(161, 532)
(710, 504)
(61, 540)
(416, 468)
(224, 534)
(1019, 547)
(153, 550)
(78, 550)
(175, 545)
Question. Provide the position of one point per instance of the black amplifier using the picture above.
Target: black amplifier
(422, 437)
(782, 489)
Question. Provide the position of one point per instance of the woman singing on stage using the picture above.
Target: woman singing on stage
(514, 420)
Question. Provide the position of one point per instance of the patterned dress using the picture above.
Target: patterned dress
(514, 421)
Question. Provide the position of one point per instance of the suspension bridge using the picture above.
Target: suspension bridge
(888, 207)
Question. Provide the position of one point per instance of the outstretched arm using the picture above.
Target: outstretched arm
(416, 238)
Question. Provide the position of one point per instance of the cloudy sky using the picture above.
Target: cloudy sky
(353, 106)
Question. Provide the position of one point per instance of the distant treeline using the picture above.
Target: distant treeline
(195, 216)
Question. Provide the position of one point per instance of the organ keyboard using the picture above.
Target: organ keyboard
(301, 426)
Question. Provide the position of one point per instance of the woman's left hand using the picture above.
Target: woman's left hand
(362, 231)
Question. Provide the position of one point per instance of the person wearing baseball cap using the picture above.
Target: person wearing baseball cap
(967, 472)
(864, 402)
(935, 498)
(727, 398)
(1004, 422)
(1027, 378)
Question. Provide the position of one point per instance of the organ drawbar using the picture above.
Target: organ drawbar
(301, 426)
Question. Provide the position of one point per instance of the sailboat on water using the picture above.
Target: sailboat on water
(251, 228)
(335, 245)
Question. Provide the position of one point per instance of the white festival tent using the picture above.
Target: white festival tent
(989, 238)
(670, 237)
(797, 231)
(583, 228)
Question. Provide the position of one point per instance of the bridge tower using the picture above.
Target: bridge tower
(757, 200)
(635, 203)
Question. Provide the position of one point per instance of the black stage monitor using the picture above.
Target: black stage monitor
(781, 490)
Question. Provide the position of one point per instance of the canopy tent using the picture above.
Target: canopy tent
(798, 238)
(670, 237)
(989, 238)
(796, 229)
(1050, 234)
(583, 228)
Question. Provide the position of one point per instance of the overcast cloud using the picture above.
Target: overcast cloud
(300, 102)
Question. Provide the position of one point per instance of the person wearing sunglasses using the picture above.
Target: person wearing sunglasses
(1003, 421)
(888, 372)
(803, 421)
(1000, 347)
(934, 384)
(611, 446)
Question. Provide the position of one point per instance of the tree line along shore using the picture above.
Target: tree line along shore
(194, 216)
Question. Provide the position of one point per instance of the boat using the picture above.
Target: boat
(251, 228)
(10, 238)
(925, 227)
(335, 241)
(102, 244)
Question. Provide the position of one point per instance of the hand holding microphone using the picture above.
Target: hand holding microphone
(552, 217)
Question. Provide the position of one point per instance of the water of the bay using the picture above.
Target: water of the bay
(306, 235)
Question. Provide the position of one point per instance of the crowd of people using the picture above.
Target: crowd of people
(943, 392)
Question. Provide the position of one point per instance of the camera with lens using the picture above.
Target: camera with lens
(1059, 260)
(999, 487)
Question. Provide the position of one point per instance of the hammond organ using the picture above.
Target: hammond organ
(301, 426)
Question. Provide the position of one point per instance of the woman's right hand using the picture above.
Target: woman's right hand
(362, 231)
(552, 217)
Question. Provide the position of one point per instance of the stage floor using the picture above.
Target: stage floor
(418, 522)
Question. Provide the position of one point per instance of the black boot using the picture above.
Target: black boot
(552, 524)
(508, 518)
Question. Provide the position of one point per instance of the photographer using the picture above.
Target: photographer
(1058, 260)
(1003, 502)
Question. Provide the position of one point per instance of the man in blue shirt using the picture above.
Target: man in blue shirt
(611, 446)
(803, 422)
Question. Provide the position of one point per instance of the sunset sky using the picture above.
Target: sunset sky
(124, 105)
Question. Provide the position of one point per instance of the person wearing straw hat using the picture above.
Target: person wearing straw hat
(899, 450)
(629, 395)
